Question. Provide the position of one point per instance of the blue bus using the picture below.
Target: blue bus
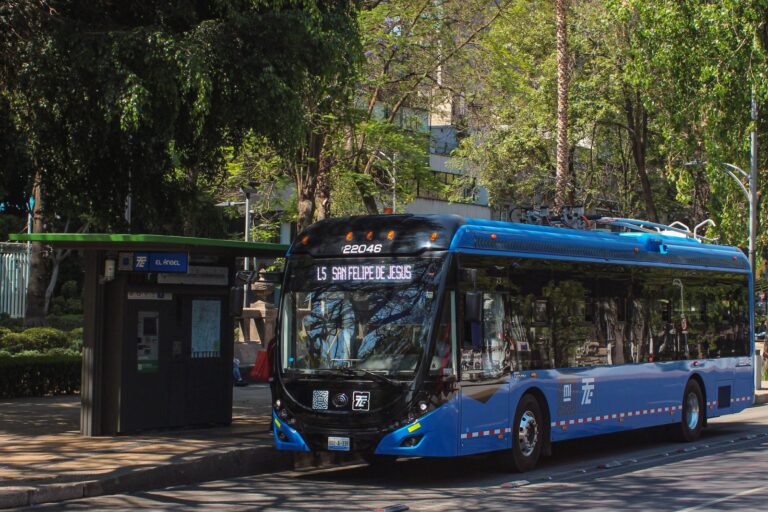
(440, 336)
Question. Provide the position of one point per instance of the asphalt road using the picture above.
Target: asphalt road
(726, 470)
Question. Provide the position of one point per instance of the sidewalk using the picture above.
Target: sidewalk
(761, 395)
(43, 457)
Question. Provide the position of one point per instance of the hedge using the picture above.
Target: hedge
(64, 322)
(38, 338)
(55, 373)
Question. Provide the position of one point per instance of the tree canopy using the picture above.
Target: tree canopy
(105, 98)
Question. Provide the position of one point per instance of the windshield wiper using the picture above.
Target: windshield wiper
(375, 376)
(360, 372)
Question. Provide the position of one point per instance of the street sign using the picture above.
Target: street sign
(160, 262)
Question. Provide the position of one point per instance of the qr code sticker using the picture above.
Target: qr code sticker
(320, 399)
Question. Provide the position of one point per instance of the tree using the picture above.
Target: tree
(152, 93)
(516, 146)
(701, 61)
(562, 187)
(410, 49)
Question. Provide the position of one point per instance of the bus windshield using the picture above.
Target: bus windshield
(370, 315)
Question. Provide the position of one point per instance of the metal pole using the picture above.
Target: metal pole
(753, 217)
(128, 204)
(753, 187)
(247, 264)
(394, 187)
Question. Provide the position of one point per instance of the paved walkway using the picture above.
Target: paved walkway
(43, 457)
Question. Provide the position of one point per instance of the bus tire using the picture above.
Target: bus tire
(527, 435)
(693, 412)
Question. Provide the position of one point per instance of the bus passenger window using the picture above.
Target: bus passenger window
(485, 351)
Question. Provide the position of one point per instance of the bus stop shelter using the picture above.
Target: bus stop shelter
(158, 336)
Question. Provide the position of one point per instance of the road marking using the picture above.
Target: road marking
(725, 498)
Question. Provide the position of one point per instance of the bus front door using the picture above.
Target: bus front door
(485, 421)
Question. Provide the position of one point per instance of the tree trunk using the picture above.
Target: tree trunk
(307, 173)
(36, 286)
(637, 121)
(323, 196)
(59, 256)
(614, 328)
(562, 184)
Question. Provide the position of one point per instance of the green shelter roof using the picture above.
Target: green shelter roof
(125, 242)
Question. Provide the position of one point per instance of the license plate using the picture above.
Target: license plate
(338, 443)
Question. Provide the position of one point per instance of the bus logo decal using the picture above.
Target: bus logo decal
(361, 401)
(566, 392)
(587, 387)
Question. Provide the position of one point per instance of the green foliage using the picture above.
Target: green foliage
(705, 60)
(38, 339)
(65, 322)
(75, 340)
(512, 149)
(154, 92)
(411, 50)
(45, 338)
(39, 375)
(15, 342)
(14, 324)
(70, 289)
(69, 300)
(10, 223)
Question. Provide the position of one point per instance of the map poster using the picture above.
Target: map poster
(206, 328)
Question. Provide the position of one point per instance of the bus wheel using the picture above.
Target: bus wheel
(692, 421)
(527, 436)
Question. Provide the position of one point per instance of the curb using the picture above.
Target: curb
(761, 398)
(234, 463)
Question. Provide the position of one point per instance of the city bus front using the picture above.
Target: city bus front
(365, 357)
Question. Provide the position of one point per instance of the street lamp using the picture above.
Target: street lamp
(750, 192)
(392, 176)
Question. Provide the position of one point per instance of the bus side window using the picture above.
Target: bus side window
(485, 352)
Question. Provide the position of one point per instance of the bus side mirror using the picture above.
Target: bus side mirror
(236, 297)
(473, 306)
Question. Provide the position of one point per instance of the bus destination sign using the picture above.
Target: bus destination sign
(373, 273)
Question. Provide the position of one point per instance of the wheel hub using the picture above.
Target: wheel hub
(528, 433)
(692, 411)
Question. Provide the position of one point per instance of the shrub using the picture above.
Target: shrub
(3, 332)
(64, 322)
(58, 304)
(70, 290)
(61, 352)
(39, 374)
(44, 338)
(74, 306)
(15, 342)
(14, 324)
(76, 339)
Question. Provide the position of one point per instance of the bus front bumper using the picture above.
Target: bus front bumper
(287, 437)
(432, 435)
